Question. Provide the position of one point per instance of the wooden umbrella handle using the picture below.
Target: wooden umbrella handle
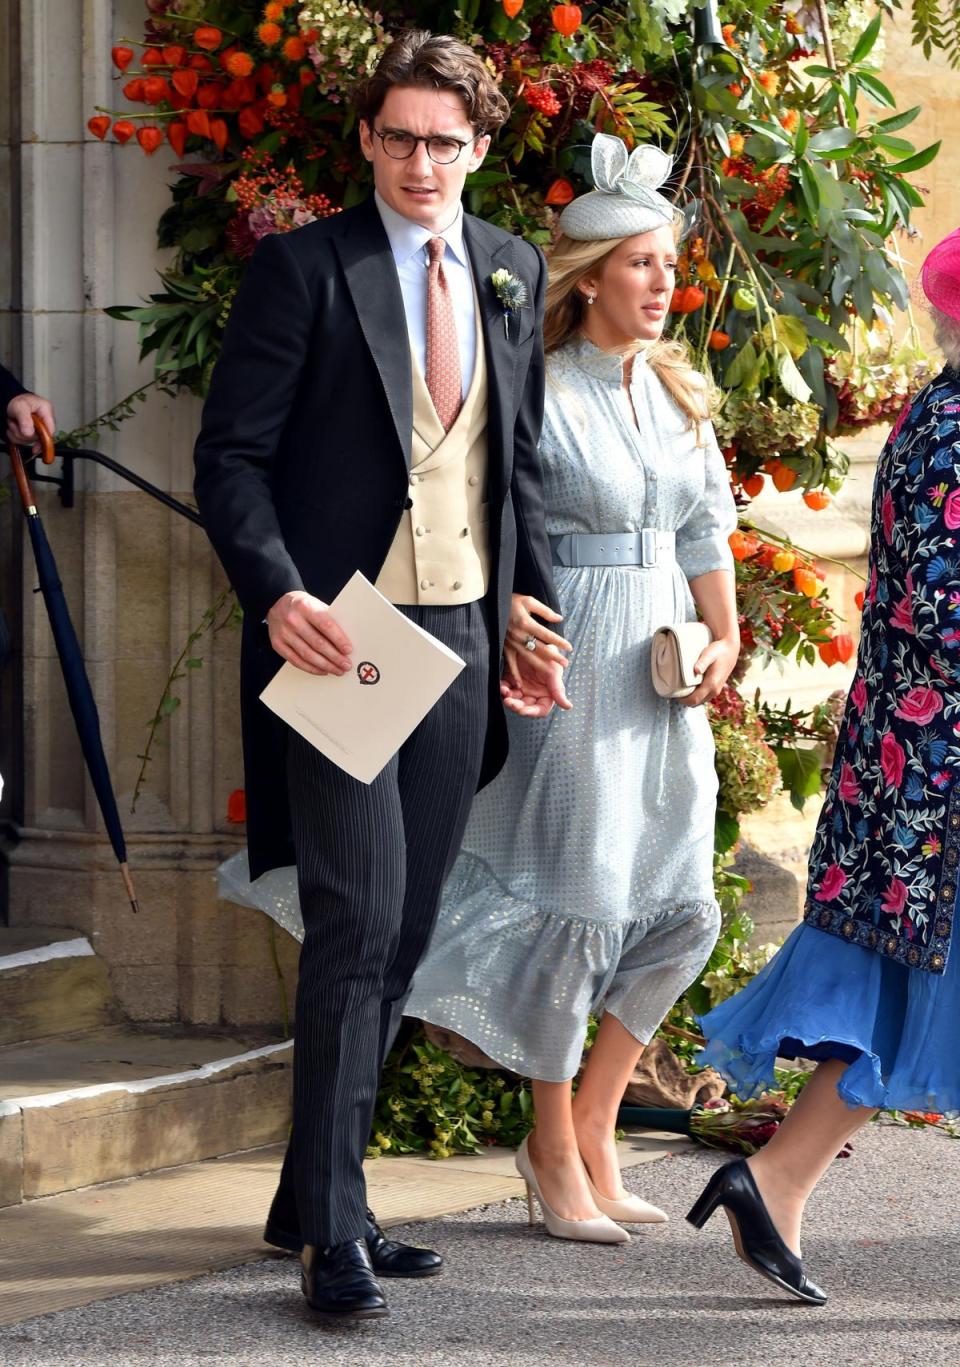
(16, 462)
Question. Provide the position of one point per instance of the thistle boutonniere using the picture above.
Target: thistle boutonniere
(512, 294)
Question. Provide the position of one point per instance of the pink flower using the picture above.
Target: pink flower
(903, 611)
(895, 898)
(951, 509)
(858, 693)
(872, 586)
(920, 706)
(892, 759)
(831, 884)
(848, 788)
(887, 516)
(899, 422)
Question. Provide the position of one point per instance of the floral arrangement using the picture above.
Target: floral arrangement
(781, 129)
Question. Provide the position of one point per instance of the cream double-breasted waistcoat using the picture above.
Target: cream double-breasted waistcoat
(441, 552)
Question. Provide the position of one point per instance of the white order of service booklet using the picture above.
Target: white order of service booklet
(360, 719)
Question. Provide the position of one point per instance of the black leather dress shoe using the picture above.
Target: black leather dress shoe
(388, 1258)
(754, 1233)
(391, 1259)
(339, 1281)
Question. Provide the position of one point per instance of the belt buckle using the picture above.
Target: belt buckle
(648, 547)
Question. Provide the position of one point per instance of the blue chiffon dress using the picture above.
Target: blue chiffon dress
(821, 997)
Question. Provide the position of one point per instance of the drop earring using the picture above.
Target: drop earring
(590, 298)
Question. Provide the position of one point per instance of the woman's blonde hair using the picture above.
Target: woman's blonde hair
(566, 308)
(946, 332)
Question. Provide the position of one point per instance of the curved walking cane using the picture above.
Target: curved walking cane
(79, 692)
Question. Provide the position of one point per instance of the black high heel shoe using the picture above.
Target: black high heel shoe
(754, 1233)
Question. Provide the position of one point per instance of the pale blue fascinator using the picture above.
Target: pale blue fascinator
(626, 199)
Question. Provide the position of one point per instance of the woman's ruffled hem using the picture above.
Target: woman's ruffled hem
(520, 982)
(859, 996)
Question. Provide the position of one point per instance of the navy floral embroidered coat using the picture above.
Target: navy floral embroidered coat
(884, 862)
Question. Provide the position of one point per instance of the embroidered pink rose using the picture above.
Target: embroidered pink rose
(900, 421)
(887, 516)
(920, 706)
(895, 898)
(892, 759)
(831, 884)
(902, 616)
(848, 788)
(858, 693)
(951, 510)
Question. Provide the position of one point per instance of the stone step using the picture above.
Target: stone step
(51, 981)
(96, 1105)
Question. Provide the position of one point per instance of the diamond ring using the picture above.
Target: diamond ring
(530, 643)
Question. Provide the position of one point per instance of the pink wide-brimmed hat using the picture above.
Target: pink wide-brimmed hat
(940, 276)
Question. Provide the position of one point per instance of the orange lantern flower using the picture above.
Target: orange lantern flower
(152, 57)
(177, 136)
(250, 122)
(122, 57)
(784, 478)
(566, 19)
(817, 499)
(561, 192)
(784, 561)
(174, 55)
(99, 125)
(185, 83)
(277, 96)
(827, 650)
(806, 582)
(858, 599)
(753, 485)
(149, 139)
(133, 90)
(219, 133)
(512, 8)
(156, 89)
(208, 37)
(198, 121)
(237, 805)
(844, 646)
(123, 130)
(719, 341)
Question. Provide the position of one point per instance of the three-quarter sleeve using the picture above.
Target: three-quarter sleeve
(703, 539)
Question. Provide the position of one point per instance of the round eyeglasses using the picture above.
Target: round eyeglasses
(401, 146)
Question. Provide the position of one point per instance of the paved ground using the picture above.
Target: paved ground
(883, 1238)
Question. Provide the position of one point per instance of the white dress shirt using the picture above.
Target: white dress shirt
(408, 243)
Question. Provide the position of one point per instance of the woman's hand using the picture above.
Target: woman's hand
(522, 626)
(716, 663)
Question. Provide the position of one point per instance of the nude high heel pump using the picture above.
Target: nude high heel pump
(600, 1230)
(629, 1209)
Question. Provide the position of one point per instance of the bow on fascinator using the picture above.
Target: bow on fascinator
(636, 174)
(626, 198)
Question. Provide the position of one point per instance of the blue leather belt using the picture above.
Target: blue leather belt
(648, 547)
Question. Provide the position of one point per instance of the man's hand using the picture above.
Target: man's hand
(20, 411)
(303, 633)
(715, 663)
(531, 689)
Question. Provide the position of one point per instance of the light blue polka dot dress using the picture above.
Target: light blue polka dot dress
(585, 882)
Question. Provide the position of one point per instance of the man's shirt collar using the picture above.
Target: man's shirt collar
(406, 238)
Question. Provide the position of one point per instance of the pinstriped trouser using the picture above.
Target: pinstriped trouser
(371, 863)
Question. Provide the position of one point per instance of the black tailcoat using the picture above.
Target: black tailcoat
(303, 459)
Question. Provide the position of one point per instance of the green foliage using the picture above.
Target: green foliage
(429, 1103)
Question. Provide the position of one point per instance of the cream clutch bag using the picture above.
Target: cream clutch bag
(676, 650)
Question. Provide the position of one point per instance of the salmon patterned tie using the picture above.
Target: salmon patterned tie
(443, 351)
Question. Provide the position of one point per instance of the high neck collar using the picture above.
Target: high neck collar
(602, 365)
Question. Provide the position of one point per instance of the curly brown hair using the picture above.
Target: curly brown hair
(434, 61)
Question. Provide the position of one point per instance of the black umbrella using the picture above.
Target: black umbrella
(79, 692)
